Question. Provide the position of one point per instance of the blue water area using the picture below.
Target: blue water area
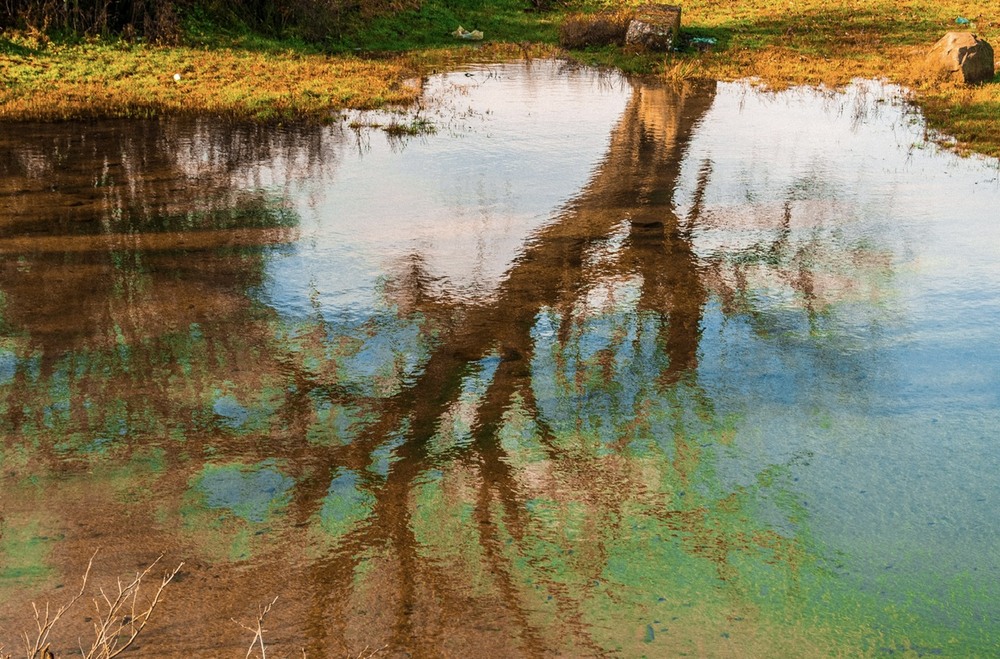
(252, 493)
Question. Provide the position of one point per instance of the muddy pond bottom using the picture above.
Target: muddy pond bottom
(573, 365)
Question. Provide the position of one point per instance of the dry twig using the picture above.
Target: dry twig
(39, 647)
(117, 628)
(258, 631)
(369, 653)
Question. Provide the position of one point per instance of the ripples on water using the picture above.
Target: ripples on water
(598, 366)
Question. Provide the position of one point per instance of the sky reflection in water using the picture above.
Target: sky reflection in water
(599, 366)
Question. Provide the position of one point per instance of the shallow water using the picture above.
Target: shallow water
(599, 367)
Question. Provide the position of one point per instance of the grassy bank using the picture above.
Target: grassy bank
(831, 42)
(92, 80)
(366, 61)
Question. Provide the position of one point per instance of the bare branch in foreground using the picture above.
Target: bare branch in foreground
(117, 627)
(39, 647)
(258, 631)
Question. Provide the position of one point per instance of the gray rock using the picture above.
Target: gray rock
(654, 27)
(962, 56)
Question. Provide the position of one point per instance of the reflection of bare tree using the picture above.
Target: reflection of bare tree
(634, 184)
(124, 247)
(156, 272)
(122, 225)
(802, 249)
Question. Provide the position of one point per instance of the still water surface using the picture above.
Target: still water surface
(600, 367)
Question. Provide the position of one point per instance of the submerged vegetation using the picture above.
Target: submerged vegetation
(283, 59)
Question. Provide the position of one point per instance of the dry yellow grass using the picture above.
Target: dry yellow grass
(70, 82)
(599, 29)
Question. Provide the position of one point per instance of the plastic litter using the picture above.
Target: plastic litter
(462, 33)
(703, 43)
(961, 20)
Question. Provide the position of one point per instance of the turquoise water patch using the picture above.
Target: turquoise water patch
(251, 493)
(8, 366)
(345, 504)
(233, 414)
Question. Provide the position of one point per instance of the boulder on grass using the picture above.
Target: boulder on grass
(962, 56)
(654, 27)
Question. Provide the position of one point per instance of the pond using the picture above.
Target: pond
(566, 363)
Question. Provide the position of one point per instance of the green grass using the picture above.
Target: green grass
(431, 25)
